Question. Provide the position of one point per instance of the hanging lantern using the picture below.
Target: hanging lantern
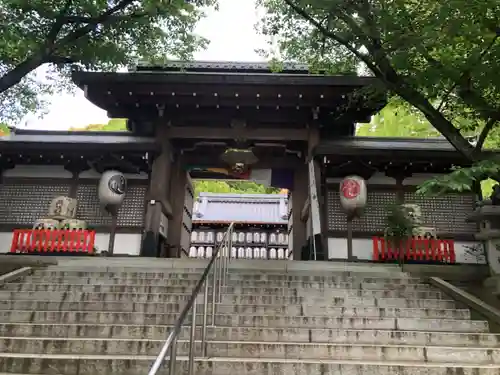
(239, 159)
(353, 195)
(112, 187)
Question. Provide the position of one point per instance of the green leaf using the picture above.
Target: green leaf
(87, 34)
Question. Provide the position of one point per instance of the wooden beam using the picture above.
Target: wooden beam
(283, 134)
(285, 162)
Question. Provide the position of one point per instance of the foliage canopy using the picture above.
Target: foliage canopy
(442, 58)
(93, 34)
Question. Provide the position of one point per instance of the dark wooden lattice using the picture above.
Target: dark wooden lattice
(187, 215)
(445, 213)
(131, 213)
(373, 219)
(23, 203)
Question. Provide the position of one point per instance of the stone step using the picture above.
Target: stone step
(159, 265)
(250, 292)
(243, 273)
(340, 335)
(284, 310)
(248, 349)
(231, 320)
(76, 364)
(141, 288)
(160, 280)
(247, 300)
(344, 300)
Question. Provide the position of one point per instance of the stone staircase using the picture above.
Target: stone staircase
(276, 318)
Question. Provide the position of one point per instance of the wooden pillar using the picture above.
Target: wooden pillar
(76, 167)
(299, 197)
(157, 200)
(399, 176)
(177, 195)
(321, 238)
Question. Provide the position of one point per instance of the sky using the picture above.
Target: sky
(232, 38)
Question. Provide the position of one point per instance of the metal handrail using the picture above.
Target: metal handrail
(218, 282)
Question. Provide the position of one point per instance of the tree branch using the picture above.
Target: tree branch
(344, 42)
(101, 19)
(97, 21)
(468, 71)
(484, 133)
(383, 69)
(48, 50)
(57, 26)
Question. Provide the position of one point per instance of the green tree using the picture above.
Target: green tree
(4, 130)
(442, 58)
(92, 34)
(397, 120)
(234, 187)
(113, 125)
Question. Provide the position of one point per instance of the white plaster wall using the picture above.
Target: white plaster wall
(5, 241)
(58, 171)
(363, 249)
(377, 179)
(37, 171)
(381, 179)
(418, 178)
(125, 243)
(92, 173)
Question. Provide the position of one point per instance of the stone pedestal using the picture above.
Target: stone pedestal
(488, 218)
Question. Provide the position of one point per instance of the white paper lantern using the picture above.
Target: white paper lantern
(47, 224)
(112, 188)
(263, 253)
(248, 253)
(249, 237)
(263, 237)
(210, 237)
(281, 253)
(194, 236)
(201, 237)
(220, 236)
(256, 253)
(73, 224)
(63, 208)
(272, 253)
(241, 237)
(353, 194)
(256, 237)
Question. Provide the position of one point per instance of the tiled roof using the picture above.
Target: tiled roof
(221, 66)
(241, 208)
(46, 139)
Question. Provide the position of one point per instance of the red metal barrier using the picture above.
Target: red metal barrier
(52, 241)
(414, 249)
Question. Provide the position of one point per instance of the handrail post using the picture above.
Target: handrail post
(204, 323)
(218, 266)
(191, 341)
(221, 275)
(214, 291)
(173, 354)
